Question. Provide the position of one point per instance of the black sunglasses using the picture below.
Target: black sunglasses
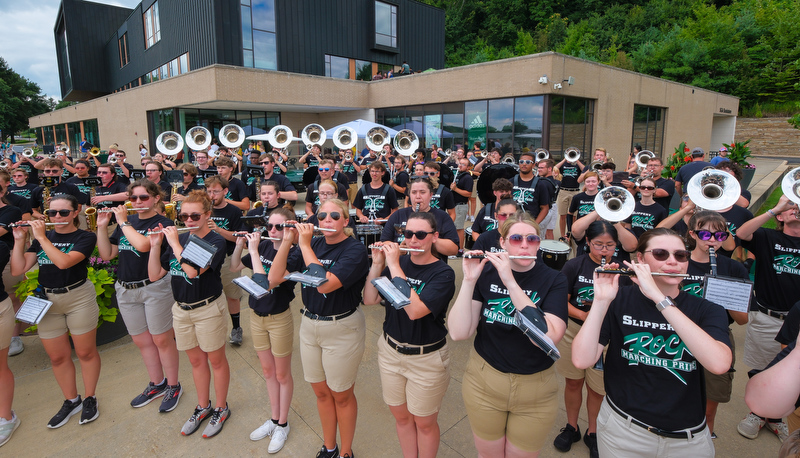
(334, 215)
(720, 236)
(647, 188)
(52, 213)
(277, 227)
(193, 216)
(143, 198)
(662, 255)
(420, 235)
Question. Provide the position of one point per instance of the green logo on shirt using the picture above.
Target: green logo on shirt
(644, 349)
(786, 263)
(502, 309)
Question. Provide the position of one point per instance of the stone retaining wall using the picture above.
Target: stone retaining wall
(770, 136)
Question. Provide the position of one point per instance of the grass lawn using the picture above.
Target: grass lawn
(771, 201)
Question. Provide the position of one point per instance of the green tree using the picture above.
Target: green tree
(19, 100)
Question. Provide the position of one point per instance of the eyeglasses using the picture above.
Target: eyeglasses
(647, 188)
(662, 255)
(516, 239)
(601, 247)
(324, 169)
(324, 193)
(525, 161)
(53, 172)
(504, 215)
(193, 216)
(142, 198)
(719, 236)
(265, 162)
(334, 215)
(420, 235)
(52, 213)
(103, 173)
(277, 227)
(431, 174)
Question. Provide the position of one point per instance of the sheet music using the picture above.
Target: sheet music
(252, 288)
(199, 254)
(731, 293)
(33, 310)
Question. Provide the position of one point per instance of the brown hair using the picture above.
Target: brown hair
(591, 174)
(377, 165)
(224, 162)
(344, 211)
(644, 239)
(50, 162)
(700, 219)
(216, 179)
(150, 187)
(199, 196)
(188, 168)
(73, 203)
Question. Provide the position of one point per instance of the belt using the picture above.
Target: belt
(770, 312)
(64, 289)
(569, 189)
(314, 316)
(194, 305)
(134, 284)
(685, 434)
(414, 349)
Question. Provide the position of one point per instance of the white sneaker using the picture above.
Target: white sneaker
(751, 425)
(278, 439)
(780, 428)
(7, 428)
(16, 346)
(263, 431)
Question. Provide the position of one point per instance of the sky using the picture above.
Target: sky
(27, 42)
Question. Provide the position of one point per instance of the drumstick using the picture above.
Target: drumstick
(411, 250)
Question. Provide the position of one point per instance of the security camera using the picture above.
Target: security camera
(543, 80)
(557, 86)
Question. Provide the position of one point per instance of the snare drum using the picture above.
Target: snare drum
(554, 253)
(369, 234)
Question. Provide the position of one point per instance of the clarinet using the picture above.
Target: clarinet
(712, 259)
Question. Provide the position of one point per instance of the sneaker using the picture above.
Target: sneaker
(590, 439)
(278, 439)
(16, 346)
(263, 431)
(90, 412)
(348, 455)
(236, 336)
(150, 392)
(751, 425)
(68, 409)
(7, 428)
(779, 428)
(566, 438)
(324, 453)
(171, 397)
(200, 414)
(217, 421)
(713, 435)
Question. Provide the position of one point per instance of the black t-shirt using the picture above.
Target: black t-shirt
(484, 221)
(649, 372)
(312, 194)
(435, 285)
(205, 286)
(9, 214)
(237, 190)
(22, 203)
(667, 185)
(283, 183)
(33, 172)
(77, 181)
(646, 217)
(531, 199)
(24, 191)
(582, 204)
(726, 267)
(192, 187)
(569, 176)
(121, 175)
(498, 340)
(61, 188)
(777, 275)
(347, 260)
(202, 173)
(133, 263)
(442, 198)
(790, 327)
(397, 222)
(735, 217)
(114, 188)
(377, 203)
(488, 241)
(401, 179)
(5, 256)
(278, 298)
(349, 171)
(166, 189)
(464, 182)
(688, 171)
(228, 218)
(580, 282)
(51, 276)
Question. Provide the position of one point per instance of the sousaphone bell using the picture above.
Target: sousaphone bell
(198, 138)
(790, 185)
(713, 189)
(541, 154)
(406, 142)
(169, 143)
(643, 157)
(376, 138)
(231, 136)
(345, 137)
(614, 204)
(572, 155)
(280, 136)
(313, 134)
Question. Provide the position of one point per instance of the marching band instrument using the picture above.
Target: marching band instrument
(481, 256)
(231, 136)
(508, 159)
(348, 156)
(62, 223)
(180, 229)
(4, 164)
(483, 153)
(541, 154)
(91, 212)
(572, 155)
(630, 273)
(345, 137)
(316, 228)
(595, 166)
(614, 204)
(790, 185)
(263, 237)
(313, 134)
(408, 250)
(27, 153)
(198, 138)
(112, 159)
(643, 157)
(713, 189)
(712, 259)
(96, 151)
(280, 136)
(169, 143)
(406, 142)
(376, 138)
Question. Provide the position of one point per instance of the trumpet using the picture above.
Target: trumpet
(112, 159)
(408, 250)
(62, 223)
(572, 155)
(94, 151)
(630, 273)
(483, 153)
(4, 164)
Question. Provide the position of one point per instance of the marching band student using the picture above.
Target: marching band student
(570, 187)
(583, 202)
(510, 389)
(165, 161)
(146, 305)
(315, 154)
(9, 421)
(53, 169)
(10, 213)
(63, 257)
(490, 240)
(110, 190)
(189, 184)
(21, 187)
(462, 191)
(326, 172)
(655, 397)
(399, 178)
(679, 221)
(600, 155)
(328, 191)
(28, 164)
(485, 219)
(271, 326)
(201, 162)
(270, 194)
(198, 314)
(376, 199)
(122, 168)
(333, 329)
(647, 213)
(237, 191)
(350, 169)
(154, 172)
(441, 197)
(413, 355)
(627, 241)
(287, 190)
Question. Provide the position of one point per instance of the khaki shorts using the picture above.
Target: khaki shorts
(720, 386)
(352, 191)
(331, 350)
(593, 377)
(521, 408)
(7, 322)
(231, 290)
(148, 308)
(10, 281)
(564, 200)
(461, 215)
(75, 311)
(205, 327)
(275, 332)
(760, 346)
(417, 380)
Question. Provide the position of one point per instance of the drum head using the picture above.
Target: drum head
(554, 246)
(488, 177)
(310, 175)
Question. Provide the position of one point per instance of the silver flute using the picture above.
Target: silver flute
(631, 273)
(316, 228)
(46, 224)
(410, 250)
(263, 237)
(481, 256)
(180, 229)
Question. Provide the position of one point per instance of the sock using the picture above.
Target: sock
(235, 320)
(283, 425)
(274, 420)
(161, 382)
(774, 420)
(78, 398)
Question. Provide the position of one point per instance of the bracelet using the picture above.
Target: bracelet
(772, 213)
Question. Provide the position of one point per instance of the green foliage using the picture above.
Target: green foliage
(19, 100)
(771, 202)
(679, 158)
(738, 152)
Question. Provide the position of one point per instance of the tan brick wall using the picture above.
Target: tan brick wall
(769, 136)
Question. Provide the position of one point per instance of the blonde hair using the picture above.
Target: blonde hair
(345, 213)
(520, 216)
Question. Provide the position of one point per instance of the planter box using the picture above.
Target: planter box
(748, 177)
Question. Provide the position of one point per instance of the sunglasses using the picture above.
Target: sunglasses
(420, 235)
(525, 161)
(516, 239)
(265, 162)
(662, 255)
(277, 227)
(324, 169)
(334, 215)
(504, 215)
(142, 198)
(647, 188)
(186, 216)
(720, 236)
(52, 213)
(186, 174)
(430, 174)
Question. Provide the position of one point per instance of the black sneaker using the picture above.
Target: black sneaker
(590, 439)
(151, 392)
(68, 409)
(324, 453)
(90, 412)
(171, 397)
(566, 438)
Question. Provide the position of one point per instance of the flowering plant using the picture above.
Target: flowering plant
(738, 152)
(680, 157)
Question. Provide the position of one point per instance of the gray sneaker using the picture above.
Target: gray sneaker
(750, 425)
(236, 336)
(199, 415)
(16, 346)
(7, 427)
(780, 428)
(218, 418)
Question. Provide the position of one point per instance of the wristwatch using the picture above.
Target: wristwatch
(666, 302)
(121, 225)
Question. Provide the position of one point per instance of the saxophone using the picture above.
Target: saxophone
(46, 202)
(258, 203)
(91, 213)
(169, 208)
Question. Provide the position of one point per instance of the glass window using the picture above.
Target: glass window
(499, 124)
(152, 26)
(264, 15)
(48, 135)
(259, 47)
(453, 124)
(385, 24)
(61, 133)
(174, 69)
(63, 50)
(648, 128)
(528, 122)
(184, 62)
(124, 57)
(247, 29)
(165, 71)
(248, 58)
(154, 75)
(91, 132)
(337, 67)
(363, 70)
(433, 130)
(475, 123)
(265, 53)
(146, 78)
(570, 124)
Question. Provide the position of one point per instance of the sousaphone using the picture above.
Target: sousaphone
(231, 136)
(198, 138)
(713, 189)
(168, 143)
(614, 204)
(790, 185)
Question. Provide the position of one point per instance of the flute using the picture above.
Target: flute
(28, 224)
(316, 228)
(410, 250)
(180, 229)
(244, 234)
(631, 273)
(481, 256)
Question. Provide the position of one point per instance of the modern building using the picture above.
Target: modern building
(174, 64)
